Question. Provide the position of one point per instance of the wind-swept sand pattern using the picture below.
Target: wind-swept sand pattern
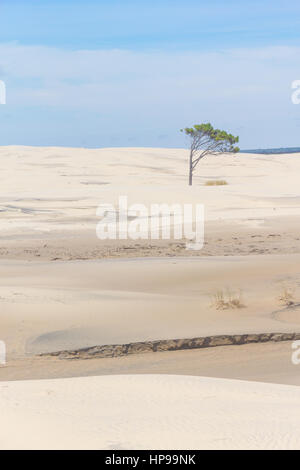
(49, 198)
(61, 288)
(264, 362)
(50, 307)
(148, 412)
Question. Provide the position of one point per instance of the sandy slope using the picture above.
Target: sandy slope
(264, 362)
(156, 412)
(57, 292)
(67, 305)
(49, 198)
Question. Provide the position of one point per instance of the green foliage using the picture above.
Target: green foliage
(205, 137)
(205, 140)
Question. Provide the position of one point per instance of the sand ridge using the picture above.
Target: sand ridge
(51, 212)
(62, 288)
(152, 412)
(50, 307)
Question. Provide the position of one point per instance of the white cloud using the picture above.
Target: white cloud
(235, 86)
(108, 76)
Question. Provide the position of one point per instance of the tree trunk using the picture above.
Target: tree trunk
(191, 169)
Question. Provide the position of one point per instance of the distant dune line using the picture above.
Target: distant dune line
(117, 350)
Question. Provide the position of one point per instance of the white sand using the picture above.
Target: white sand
(58, 189)
(68, 305)
(57, 292)
(259, 362)
(154, 411)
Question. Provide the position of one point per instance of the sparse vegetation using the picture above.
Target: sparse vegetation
(215, 183)
(205, 140)
(224, 299)
(286, 296)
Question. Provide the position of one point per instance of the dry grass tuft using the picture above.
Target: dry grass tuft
(286, 296)
(226, 299)
(215, 183)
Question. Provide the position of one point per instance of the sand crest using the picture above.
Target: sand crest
(152, 412)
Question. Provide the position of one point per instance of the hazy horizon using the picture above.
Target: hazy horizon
(126, 74)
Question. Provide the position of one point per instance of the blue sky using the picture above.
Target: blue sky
(132, 73)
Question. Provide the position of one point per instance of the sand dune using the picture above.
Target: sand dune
(68, 305)
(265, 362)
(60, 288)
(49, 198)
(152, 412)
